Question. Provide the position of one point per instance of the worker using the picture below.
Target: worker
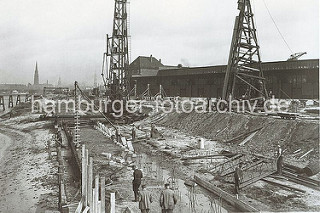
(153, 128)
(209, 104)
(118, 135)
(145, 200)
(279, 160)
(137, 176)
(168, 199)
(133, 132)
(237, 179)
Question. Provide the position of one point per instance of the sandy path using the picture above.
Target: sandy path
(5, 142)
(22, 166)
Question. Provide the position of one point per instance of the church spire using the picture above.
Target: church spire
(36, 75)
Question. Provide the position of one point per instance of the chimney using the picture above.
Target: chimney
(151, 58)
(160, 60)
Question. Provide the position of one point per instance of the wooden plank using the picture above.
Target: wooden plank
(86, 209)
(96, 193)
(84, 175)
(124, 141)
(232, 200)
(308, 152)
(79, 207)
(99, 206)
(305, 182)
(246, 168)
(103, 194)
(130, 147)
(242, 135)
(253, 180)
(112, 203)
(205, 156)
(227, 161)
(90, 179)
(248, 139)
(93, 203)
(283, 185)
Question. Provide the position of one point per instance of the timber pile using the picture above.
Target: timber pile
(93, 199)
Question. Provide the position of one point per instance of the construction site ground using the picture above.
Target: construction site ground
(29, 173)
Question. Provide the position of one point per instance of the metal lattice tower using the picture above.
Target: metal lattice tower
(117, 80)
(76, 138)
(244, 77)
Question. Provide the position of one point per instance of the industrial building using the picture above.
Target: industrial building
(297, 79)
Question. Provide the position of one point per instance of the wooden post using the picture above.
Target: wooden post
(92, 208)
(2, 103)
(103, 194)
(84, 175)
(112, 202)
(96, 198)
(10, 101)
(89, 190)
(18, 100)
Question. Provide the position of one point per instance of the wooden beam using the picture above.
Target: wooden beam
(283, 185)
(112, 203)
(255, 179)
(243, 135)
(232, 200)
(103, 194)
(90, 179)
(96, 194)
(84, 175)
(206, 156)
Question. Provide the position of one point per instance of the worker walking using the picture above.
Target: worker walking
(279, 160)
(137, 175)
(145, 200)
(237, 179)
(168, 199)
(152, 131)
(133, 132)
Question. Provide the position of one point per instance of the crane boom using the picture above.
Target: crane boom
(296, 56)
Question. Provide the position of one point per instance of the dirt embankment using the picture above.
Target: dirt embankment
(28, 180)
(292, 134)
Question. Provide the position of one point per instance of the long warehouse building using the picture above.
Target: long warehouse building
(297, 79)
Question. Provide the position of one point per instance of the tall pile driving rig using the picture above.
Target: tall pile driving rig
(244, 77)
(116, 58)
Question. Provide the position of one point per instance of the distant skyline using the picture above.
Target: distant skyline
(67, 38)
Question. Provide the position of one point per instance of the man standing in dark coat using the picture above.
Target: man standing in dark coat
(167, 199)
(137, 175)
(145, 200)
(237, 179)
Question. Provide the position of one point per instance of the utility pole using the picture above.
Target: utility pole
(244, 77)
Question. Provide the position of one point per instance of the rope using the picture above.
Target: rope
(275, 24)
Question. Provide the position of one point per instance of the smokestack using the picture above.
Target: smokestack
(160, 60)
(151, 58)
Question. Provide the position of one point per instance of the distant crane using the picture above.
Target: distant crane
(296, 56)
(244, 77)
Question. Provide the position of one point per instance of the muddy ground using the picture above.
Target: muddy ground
(28, 180)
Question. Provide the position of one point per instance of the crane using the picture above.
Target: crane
(296, 56)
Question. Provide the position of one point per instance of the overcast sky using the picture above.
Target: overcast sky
(67, 37)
